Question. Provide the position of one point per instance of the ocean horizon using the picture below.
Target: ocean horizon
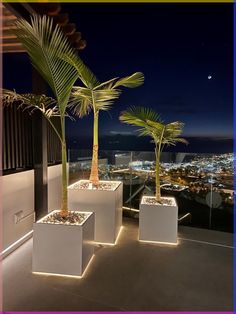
(211, 145)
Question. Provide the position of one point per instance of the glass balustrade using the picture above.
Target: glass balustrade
(201, 183)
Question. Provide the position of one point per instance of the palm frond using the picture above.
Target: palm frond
(174, 129)
(8, 97)
(104, 106)
(46, 45)
(147, 131)
(31, 102)
(131, 81)
(151, 125)
(86, 76)
(104, 95)
(84, 99)
(156, 125)
(84, 92)
(106, 85)
(81, 105)
(139, 116)
(145, 118)
(173, 141)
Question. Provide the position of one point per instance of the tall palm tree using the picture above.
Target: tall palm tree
(95, 96)
(47, 47)
(49, 109)
(150, 124)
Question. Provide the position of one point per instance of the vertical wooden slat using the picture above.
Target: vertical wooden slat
(16, 137)
(54, 147)
(23, 138)
(28, 141)
(4, 140)
(8, 139)
(31, 142)
(17, 152)
(12, 135)
(19, 114)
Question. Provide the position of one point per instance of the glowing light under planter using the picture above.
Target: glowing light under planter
(158, 223)
(112, 244)
(67, 276)
(63, 249)
(158, 242)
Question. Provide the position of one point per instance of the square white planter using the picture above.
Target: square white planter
(63, 249)
(158, 222)
(106, 204)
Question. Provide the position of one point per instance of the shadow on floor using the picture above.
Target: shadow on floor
(197, 275)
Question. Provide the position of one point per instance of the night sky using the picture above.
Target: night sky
(184, 50)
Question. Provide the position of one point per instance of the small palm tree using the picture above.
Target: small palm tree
(95, 96)
(48, 49)
(162, 134)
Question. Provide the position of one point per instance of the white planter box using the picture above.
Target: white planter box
(157, 222)
(63, 249)
(107, 206)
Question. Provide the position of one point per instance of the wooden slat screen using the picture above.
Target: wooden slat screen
(54, 146)
(18, 141)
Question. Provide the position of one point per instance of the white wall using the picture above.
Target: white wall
(18, 202)
(18, 197)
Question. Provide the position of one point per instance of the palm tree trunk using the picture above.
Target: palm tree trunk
(158, 188)
(158, 151)
(64, 205)
(94, 168)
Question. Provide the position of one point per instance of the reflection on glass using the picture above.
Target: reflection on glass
(185, 176)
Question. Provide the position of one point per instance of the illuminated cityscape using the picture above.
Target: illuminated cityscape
(188, 177)
(117, 156)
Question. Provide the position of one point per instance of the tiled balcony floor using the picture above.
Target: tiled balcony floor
(132, 276)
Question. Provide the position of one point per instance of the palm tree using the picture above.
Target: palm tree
(162, 134)
(47, 47)
(49, 109)
(95, 96)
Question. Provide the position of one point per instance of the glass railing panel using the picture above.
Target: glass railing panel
(201, 183)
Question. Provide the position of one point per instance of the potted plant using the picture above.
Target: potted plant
(158, 217)
(104, 197)
(61, 233)
(95, 96)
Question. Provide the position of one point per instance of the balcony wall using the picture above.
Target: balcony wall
(18, 202)
(18, 205)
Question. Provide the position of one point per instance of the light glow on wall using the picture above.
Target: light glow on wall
(17, 242)
(131, 209)
(112, 244)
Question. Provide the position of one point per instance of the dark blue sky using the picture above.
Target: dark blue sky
(176, 46)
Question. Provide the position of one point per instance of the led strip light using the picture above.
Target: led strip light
(13, 245)
(68, 276)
